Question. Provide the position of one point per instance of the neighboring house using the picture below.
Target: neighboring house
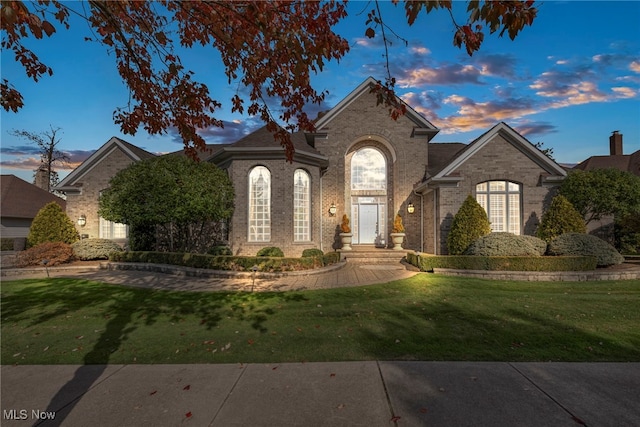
(604, 228)
(20, 204)
(362, 163)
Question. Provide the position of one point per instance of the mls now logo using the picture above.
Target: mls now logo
(23, 414)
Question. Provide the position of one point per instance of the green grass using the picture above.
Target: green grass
(426, 317)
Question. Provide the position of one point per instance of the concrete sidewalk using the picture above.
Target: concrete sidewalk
(324, 394)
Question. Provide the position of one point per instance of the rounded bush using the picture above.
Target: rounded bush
(271, 251)
(507, 244)
(312, 252)
(468, 225)
(587, 245)
(220, 251)
(51, 224)
(54, 253)
(90, 249)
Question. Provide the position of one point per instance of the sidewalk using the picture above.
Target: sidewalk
(324, 394)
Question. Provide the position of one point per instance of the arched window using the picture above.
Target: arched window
(259, 204)
(368, 170)
(301, 206)
(501, 201)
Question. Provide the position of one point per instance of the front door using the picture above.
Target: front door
(367, 224)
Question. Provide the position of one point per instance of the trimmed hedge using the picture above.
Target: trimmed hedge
(470, 262)
(220, 250)
(586, 245)
(90, 249)
(312, 252)
(6, 244)
(270, 251)
(228, 263)
(507, 244)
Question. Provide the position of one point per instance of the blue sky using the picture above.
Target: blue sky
(568, 81)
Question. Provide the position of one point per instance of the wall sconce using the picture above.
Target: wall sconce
(410, 208)
(333, 209)
(82, 220)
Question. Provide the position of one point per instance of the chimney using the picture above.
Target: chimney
(615, 143)
(41, 178)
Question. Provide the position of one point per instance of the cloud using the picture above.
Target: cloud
(497, 65)
(624, 92)
(22, 163)
(635, 66)
(230, 132)
(449, 74)
(529, 129)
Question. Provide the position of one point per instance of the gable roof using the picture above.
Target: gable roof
(261, 144)
(130, 150)
(423, 127)
(21, 199)
(443, 175)
(623, 162)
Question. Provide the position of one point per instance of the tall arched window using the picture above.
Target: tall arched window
(501, 201)
(368, 170)
(301, 206)
(259, 204)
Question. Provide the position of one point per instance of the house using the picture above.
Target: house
(21, 202)
(358, 162)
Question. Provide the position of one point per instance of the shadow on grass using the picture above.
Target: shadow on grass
(124, 309)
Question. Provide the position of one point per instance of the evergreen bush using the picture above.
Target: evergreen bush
(90, 249)
(560, 218)
(52, 224)
(627, 234)
(6, 244)
(585, 244)
(271, 251)
(469, 224)
(312, 252)
(398, 227)
(220, 250)
(507, 244)
(55, 253)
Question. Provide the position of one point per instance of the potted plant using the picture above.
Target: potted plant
(345, 235)
(397, 233)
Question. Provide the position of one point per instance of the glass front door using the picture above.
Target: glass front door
(367, 224)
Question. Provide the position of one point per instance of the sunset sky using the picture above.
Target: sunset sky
(568, 82)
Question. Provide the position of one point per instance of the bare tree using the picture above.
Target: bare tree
(50, 155)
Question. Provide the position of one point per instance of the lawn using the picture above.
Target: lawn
(426, 317)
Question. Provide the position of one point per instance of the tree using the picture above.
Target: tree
(51, 224)
(171, 196)
(270, 48)
(469, 224)
(50, 155)
(601, 192)
(560, 218)
(546, 151)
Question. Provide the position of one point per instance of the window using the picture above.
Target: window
(368, 170)
(501, 201)
(259, 204)
(301, 206)
(112, 230)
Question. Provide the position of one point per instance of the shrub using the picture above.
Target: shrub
(89, 249)
(471, 262)
(51, 224)
(331, 258)
(345, 227)
(6, 244)
(271, 251)
(55, 253)
(398, 227)
(627, 234)
(507, 244)
(587, 245)
(468, 225)
(312, 252)
(560, 218)
(220, 250)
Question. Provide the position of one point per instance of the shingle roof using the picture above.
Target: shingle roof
(441, 153)
(623, 162)
(21, 199)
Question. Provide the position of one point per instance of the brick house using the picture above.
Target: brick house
(362, 163)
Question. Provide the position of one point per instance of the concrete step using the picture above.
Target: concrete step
(373, 256)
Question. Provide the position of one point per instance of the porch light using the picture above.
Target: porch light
(333, 209)
(410, 208)
(82, 220)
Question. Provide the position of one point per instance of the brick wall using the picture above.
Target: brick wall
(93, 182)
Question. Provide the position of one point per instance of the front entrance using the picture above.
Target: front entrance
(367, 224)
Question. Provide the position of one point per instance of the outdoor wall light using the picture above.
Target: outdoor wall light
(333, 209)
(410, 208)
(82, 220)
